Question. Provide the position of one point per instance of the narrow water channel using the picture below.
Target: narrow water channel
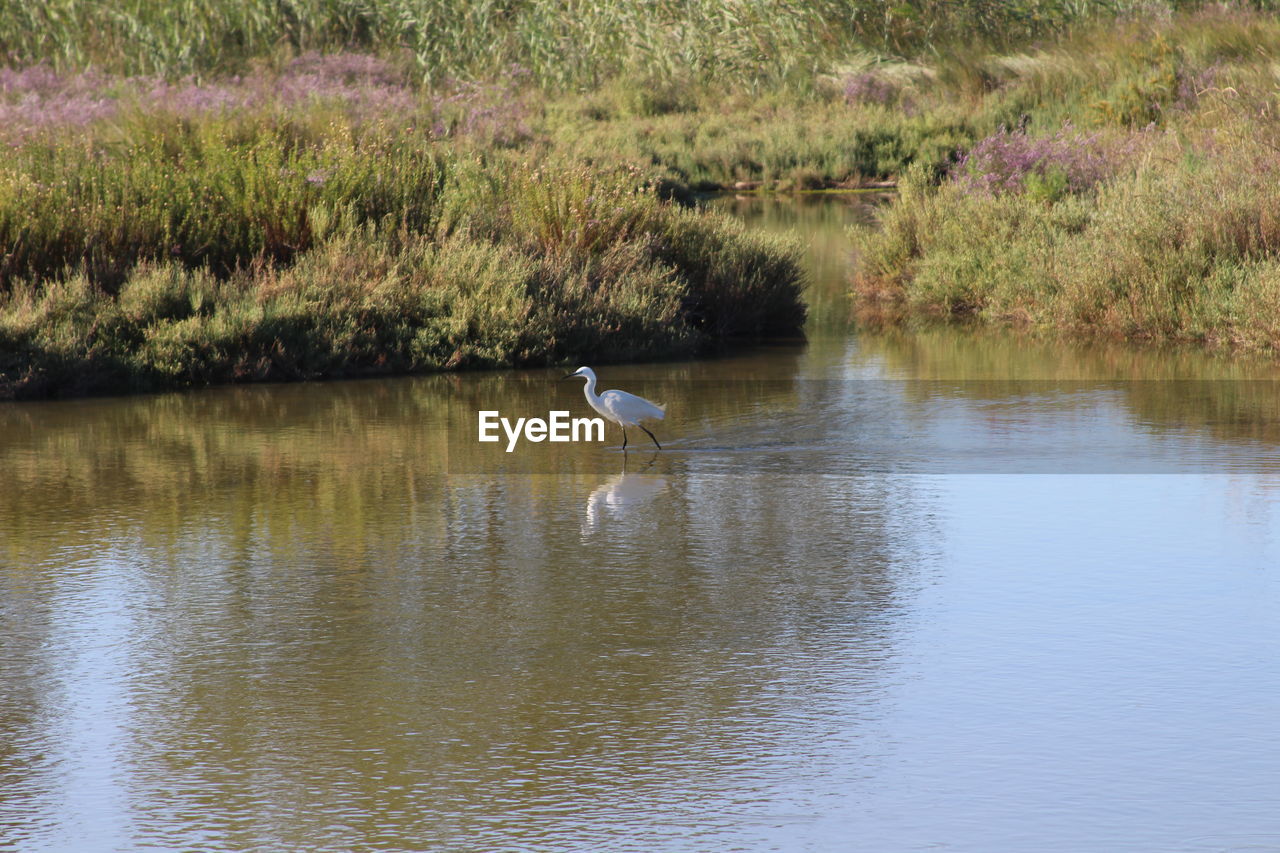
(887, 591)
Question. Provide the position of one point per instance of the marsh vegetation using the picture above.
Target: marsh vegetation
(1136, 198)
(329, 219)
(315, 188)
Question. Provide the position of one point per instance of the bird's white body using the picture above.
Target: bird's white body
(618, 406)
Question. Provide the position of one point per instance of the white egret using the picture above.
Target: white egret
(620, 407)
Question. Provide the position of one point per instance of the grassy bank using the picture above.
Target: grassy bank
(1138, 203)
(220, 250)
(330, 219)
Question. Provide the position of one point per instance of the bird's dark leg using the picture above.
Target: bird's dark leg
(646, 432)
(624, 438)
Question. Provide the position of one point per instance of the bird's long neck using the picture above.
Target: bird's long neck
(590, 390)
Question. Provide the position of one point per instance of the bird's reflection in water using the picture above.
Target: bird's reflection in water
(622, 493)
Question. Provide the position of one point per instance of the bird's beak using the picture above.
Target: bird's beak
(568, 376)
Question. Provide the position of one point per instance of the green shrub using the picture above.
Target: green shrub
(516, 266)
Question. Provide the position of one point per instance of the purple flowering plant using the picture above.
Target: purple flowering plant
(1066, 162)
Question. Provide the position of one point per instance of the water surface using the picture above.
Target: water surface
(926, 590)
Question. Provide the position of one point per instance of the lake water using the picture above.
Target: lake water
(929, 590)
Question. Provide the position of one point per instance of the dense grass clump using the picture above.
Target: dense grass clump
(330, 218)
(1157, 223)
(231, 250)
(1179, 250)
(785, 143)
(368, 301)
(215, 194)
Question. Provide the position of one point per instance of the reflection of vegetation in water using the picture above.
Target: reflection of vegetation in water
(346, 451)
(250, 458)
(306, 573)
(1170, 388)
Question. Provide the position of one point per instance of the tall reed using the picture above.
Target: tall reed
(577, 43)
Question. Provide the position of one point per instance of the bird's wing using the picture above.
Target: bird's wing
(630, 409)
